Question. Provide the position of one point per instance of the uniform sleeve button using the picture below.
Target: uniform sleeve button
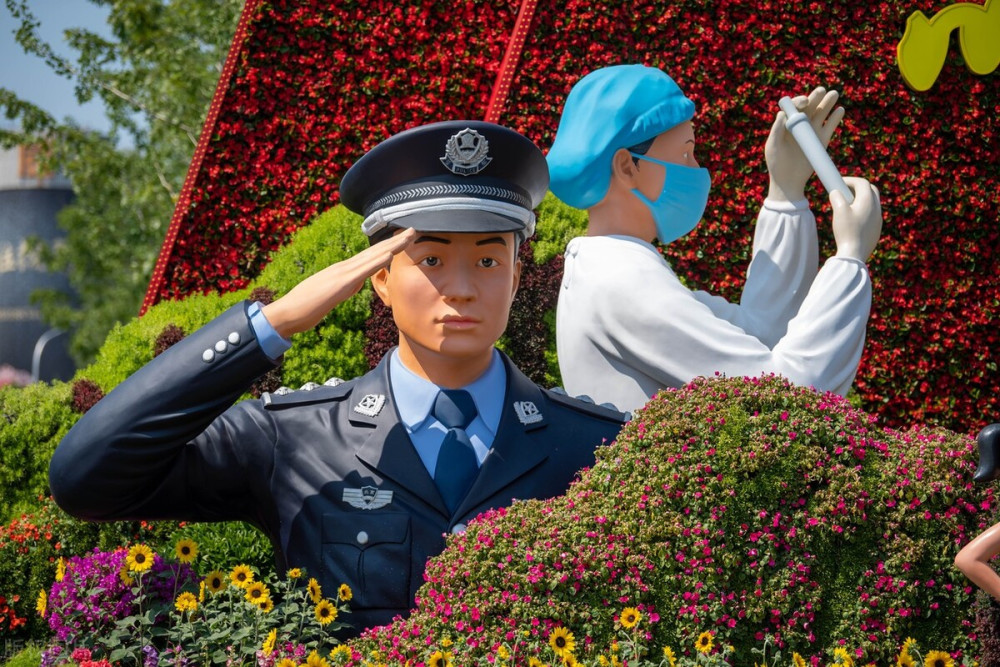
(208, 355)
(362, 537)
(221, 346)
(234, 338)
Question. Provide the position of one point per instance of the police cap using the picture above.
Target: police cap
(455, 176)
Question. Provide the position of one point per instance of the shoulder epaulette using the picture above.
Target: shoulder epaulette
(587, 406)
(333, 389)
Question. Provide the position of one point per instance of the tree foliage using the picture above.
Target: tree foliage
(155, 76)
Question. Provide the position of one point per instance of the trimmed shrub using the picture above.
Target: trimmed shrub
(743, 507)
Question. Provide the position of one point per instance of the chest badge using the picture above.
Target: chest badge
(367, 498)
(527, 412)
(370, 404)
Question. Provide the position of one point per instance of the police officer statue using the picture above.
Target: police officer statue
(360, 481)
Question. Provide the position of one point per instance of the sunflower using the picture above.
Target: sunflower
(266, 605)
(798, 660)
(843, 657)
(286, 662)
(315, 590)
(904, 659)
(345, 593)
(561, 641)
(316, 660)
(268, 646)
(257, 592)
(294, 573)
(201, 591)
(126, 577)
(704, 643)
(909, 644)
(42, 603)
(60, 569)
(570, 661)
(535, 662)
(186, 550)
(439, 659)
(215, 581)
(938, 659)
(341, 654)
(630, 617)
(186, 602)
(241, 576)
(668, 655)
(140, 558)
(325, 612)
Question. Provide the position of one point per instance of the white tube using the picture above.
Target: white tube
(800, 127)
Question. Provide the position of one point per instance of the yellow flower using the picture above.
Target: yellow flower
(843, 657)
(325, 612)
(272, 638)
(42, 603)
(562, 642)
(241, 576)
(614, 647)
(630, 617)
(704, 643)
(60, 569)
(186, 550)
(294, 573)
(316, 660)
(126, 577)
(503, 653)
(201, 591)
(798, 660)
(668, 655)
(345, 593)
(186, 602)
(257, 592)
(904, 659)
(446, 642)
(604, 662)
(439, 659)
(341, 654)
(909, 644)
(286, 662)
(140, 558)
(315, 590)
(535, 662)
(266, 605)
(938, 659)
(570, 661)
(215, 581)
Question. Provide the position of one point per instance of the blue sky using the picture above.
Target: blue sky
(30, 78)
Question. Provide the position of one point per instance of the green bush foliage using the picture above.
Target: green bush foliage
(742, 507)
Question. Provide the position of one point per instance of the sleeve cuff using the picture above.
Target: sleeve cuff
(271, 342)
(786, 206)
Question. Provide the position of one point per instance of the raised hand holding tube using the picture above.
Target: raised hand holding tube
(800, 127)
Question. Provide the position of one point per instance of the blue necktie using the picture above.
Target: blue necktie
(457, 464)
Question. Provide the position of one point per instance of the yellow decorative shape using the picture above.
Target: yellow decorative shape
(922, 50)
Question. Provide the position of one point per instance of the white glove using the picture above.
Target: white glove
(857, 226)
(786, 163)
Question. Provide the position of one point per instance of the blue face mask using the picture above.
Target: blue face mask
(682, 202)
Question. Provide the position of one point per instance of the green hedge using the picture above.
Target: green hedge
(743, 507)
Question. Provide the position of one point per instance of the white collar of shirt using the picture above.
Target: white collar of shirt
(414, 396)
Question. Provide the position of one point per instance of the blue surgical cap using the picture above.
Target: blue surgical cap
(610, 108)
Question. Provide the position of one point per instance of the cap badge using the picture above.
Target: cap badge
(367, 498)
(466, 153)
(527, 412)
(370, 404)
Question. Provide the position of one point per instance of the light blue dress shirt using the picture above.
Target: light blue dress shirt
(414, 397)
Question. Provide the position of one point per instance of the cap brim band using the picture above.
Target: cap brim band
(453, 214)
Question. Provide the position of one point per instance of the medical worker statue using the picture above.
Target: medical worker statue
(626, 325)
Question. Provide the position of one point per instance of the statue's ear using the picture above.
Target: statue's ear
(624, 168)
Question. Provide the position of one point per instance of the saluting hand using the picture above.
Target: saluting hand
(309, 302)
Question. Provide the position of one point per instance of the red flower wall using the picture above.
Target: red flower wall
(315, 84)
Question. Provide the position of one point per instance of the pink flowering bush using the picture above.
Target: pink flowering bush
(744, 508)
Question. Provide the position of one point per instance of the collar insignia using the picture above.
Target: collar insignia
(466, 153)
(367, 498)
(527, 412)
(370, 405)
